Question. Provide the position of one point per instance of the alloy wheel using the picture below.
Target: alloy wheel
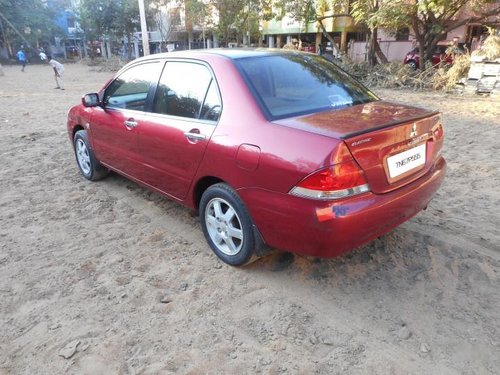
(224, 226)
(83, 156)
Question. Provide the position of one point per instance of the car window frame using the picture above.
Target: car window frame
(182, 118)
(148, 103)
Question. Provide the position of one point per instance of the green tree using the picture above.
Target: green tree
(237, 18)
(28, 22)
(196, 13)
(307, 11)
(430, 20)
(229, 13)
(115, 19)
(370, 13)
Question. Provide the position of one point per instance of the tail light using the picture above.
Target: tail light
(335, 182)
(438, 133)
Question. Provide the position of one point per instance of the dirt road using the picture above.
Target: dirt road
(121, 281)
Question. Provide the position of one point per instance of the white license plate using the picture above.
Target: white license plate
(406, 161)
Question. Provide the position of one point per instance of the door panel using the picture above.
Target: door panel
(173, 140)
(115, 143)
(171, 151)
(114, 127)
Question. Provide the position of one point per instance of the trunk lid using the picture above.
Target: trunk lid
(394, 144)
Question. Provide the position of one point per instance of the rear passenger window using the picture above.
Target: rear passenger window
(130, 89)
(187, 90)
(211, 107)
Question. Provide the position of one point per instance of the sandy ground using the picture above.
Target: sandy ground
(121, 281)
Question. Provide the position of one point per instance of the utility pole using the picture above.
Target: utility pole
(144, 28)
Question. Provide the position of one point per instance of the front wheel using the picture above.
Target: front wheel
(89, 167)
(226, 224)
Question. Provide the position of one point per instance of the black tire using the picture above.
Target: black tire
(89, 167)
(227, 226)
(412, 64)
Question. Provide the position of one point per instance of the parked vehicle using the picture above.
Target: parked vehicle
(308, 47)
(277, 149)
(72, 51)
(440, 56)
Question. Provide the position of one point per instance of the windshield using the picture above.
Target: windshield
(287, 85)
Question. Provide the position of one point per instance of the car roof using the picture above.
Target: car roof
(231, 53)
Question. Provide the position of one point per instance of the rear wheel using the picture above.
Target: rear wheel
(226, 224)
(412, 64)
(90, 168)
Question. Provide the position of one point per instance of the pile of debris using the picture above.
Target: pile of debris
(484, 72)
(100, 64)
(395, 75)
(476, 73)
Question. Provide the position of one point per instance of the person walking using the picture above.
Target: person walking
(21, 57)
(58, 71)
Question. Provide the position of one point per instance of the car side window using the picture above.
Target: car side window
(187, 90)
(212, 106)
(130, 89)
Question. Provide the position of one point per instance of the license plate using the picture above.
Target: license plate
(406, 161)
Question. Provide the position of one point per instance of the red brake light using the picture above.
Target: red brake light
(438, 132)
(337, 177)
(337, 181)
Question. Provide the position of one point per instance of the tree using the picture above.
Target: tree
(167, 16)
(237, 18)
(430, 20)
(28, 22)
(369, 12)
(195, 12)
(229, 12)
(164, 20)
(114, 18)
(308, 11)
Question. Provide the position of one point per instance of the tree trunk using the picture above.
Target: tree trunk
(328, 36)
(420, 33)
(9, 48)
(129, 47)
(381, 56)
(372, 40)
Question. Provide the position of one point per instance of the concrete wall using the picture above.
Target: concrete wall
(393, 50)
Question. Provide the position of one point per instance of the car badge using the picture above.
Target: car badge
(413, 132)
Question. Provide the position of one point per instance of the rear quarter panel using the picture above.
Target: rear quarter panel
(285, 155)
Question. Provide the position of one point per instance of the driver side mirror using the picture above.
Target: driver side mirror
(91, 100)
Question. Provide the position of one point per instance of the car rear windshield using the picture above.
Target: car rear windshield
(292, 84)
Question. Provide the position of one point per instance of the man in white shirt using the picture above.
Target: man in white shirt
(58, 70)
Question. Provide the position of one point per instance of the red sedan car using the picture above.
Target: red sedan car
(274, 149)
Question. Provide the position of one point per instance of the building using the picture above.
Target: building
(70, 43)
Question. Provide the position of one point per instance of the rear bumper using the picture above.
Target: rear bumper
(329, 229)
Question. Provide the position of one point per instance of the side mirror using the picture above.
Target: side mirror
(91, 100)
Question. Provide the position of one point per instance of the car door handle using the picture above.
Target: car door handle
(193, 137)
(130, 124)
